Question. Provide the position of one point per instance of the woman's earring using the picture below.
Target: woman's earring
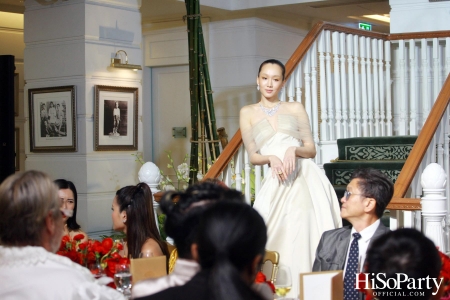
(124, 220)
(257, 87)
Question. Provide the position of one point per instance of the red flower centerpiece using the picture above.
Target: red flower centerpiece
(102, 255)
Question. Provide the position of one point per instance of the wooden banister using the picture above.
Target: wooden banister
(410, 204)
(418, 35)
(423, 141)
(225, 157)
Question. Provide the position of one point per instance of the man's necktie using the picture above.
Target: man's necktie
(350, 293)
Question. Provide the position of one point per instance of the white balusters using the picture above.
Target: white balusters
(325, 136)
(358, 98)
(413, 130)
(376, 95)
(343, 79)
(337, 85)
(426, 99)
(290, 88)
(298, 83)
(365, 113)
(307, 76)
(330, 94)
(382, 95)
(387, 52)
(247, 176)
(370, 120)
(351, 86)
(314, 116)
(403, 86)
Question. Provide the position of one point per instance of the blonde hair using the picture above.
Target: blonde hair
(25, 200)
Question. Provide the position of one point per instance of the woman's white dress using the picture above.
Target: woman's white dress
(298, 210)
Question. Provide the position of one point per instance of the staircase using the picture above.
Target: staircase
(387, 154)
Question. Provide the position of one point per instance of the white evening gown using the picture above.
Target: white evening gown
(298, 210)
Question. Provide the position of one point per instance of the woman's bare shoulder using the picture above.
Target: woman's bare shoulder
(249, 109)
(152, 246)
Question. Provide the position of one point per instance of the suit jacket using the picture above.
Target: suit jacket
(333, 246)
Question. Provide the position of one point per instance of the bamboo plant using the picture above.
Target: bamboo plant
(203, 120)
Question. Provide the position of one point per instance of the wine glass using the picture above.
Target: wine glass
(122, 279)
(96, 269)
(283, 281)
(146, 253)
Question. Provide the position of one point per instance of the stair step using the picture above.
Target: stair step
(376, 148)
(339, 173)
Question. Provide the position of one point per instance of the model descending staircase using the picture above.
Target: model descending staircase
(387, 154)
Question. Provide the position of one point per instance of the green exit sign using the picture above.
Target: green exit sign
(365, 26)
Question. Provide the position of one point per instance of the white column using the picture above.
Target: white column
(434, 204)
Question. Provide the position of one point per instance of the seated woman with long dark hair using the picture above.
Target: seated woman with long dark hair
(67, 193)
(133, 214)
(230, 247)
(181, 224)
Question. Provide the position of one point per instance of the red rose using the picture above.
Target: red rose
(65, 239)
(82, 246)
(78, 237)
(119, 246)
(260, 277)
(115, 255)
(107, 244)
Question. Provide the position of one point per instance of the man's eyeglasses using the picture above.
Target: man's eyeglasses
(347, 194)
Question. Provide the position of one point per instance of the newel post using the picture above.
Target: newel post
(434, 204)
(149, 173)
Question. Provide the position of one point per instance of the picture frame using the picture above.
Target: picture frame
(116, 118)
(52, 112)
(17, 148)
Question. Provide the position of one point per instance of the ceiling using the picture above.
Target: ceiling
(345, 12)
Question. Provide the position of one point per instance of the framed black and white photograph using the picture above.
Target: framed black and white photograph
(53, 119)
(116, 112)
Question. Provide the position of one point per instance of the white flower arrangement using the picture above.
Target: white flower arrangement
(181, 172)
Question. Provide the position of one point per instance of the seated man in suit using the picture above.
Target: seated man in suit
(363, 204)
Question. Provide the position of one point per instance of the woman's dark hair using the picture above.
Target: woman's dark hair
(137, 202)
(63, 184)
(230, 236)
(275, 62)
(182, 218)
(406, 251)
(374, 184)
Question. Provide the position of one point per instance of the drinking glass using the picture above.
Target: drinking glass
(96, 269)
(145, 254)
(283, 281)
(122, 279)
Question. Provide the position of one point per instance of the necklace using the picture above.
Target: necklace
(270, 111)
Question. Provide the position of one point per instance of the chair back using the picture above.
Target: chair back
(173, 256)
(148, 267)
(274, 258)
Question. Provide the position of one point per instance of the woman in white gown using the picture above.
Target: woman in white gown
(296, 199)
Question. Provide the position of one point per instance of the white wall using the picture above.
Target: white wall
(419, 15)
(71, 43)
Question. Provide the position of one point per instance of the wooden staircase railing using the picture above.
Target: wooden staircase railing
(412, 163)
